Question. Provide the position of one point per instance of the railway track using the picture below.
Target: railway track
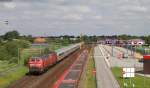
(71, 77)
(47, 79)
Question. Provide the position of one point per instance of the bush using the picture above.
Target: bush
(4, 55)
(11, 35)
(9, 50)
(13, 46)
(13, 60)
(46, 51)
(26, 61)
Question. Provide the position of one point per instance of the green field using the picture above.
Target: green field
(12, 76)
(4, 65)
(137, 81)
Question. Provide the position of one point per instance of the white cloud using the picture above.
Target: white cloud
(98, 17)
(83, 9)
(73, 17)
(74, 8)
(29, 12)
(134, 8)
(9, 5)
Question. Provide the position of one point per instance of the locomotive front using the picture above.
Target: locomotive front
(35, 64)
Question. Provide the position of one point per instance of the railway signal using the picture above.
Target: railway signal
(94, 71)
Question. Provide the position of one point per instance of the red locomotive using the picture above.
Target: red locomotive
(42, 63)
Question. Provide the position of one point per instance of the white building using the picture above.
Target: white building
(136, 42)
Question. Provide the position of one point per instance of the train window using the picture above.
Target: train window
(33, 59)
(37, 59)
(61, 53)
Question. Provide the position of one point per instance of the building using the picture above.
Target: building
(40, 40)
(116, 42)
(136, 42)
(109, 41)
(101, 42)
(119, 42)
(146, 64)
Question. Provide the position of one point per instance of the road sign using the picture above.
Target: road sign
(128, 72)
(94, 71)
(119, 56)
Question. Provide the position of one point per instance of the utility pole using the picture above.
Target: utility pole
(112, 50)
(127, 49)
(113, 43)
(18, 55)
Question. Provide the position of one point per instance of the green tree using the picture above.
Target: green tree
(4, 55)
(147, 39)
(46, 51)
(11, 35)
(11, 47)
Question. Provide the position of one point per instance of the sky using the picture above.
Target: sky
(73, 17)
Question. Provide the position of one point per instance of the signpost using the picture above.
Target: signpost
(128, 73)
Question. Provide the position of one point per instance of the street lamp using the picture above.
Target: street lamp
(18, 55)
(113, 43)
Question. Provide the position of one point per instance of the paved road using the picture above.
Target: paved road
(124, 50)
(127, 62)
(105, 78)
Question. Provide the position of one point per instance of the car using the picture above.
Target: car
(125, 55)
(141, 60)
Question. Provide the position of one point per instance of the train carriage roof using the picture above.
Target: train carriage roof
(43, 56)
(62, 50)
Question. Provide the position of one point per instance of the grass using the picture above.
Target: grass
(90, 80)
(137, 81)
(6, 66)
(7, 79)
